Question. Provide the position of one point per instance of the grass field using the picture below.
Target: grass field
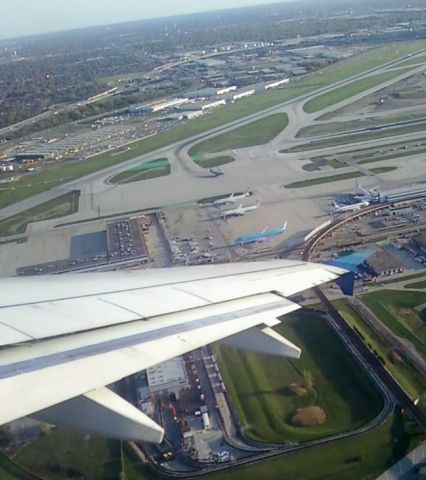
(379, 170)
(40, 181)
(414, 61)
(143, 171)
(365, 152)
(319, 162)
(354, 138)
(396, 310)
(89, 458)
(350, 125)
(11, 471)
(421, 284)
(402, 154)
(261, 386)
(330, 178)
(347, 91)
(404, 278)
(403, 372)
(57, 208)
(363, 457)
(212, 161)
(255, 133)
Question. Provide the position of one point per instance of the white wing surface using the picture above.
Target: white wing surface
(63, 338)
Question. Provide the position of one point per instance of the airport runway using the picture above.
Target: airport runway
(188, 182)
(263, 169)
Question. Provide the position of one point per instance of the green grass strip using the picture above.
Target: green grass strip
(350, 90)
(59, 207)
(255, 133)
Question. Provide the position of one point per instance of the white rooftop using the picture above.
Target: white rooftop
(167, 372)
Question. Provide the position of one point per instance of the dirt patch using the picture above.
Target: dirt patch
(297, 390)
(309, 416)
(395, 357)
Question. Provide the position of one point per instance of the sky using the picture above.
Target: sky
(26, 17)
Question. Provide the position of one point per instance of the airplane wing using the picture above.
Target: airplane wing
(63, 338)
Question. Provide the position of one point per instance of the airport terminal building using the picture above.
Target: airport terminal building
(404, 193)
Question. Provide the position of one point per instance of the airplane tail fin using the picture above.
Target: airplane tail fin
(241, 206)
(285, 225)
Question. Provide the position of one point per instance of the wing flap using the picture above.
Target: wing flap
(103, 412)
(64, 336)
(60, 376)
(49, 306)
(54, 318)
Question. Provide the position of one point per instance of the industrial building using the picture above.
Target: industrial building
(224, 90)
(193, 114)
(246, 93)
(168, 377)
(202, 105)
(404, 193)
(383, 264)
(175, 102)
(276, 84)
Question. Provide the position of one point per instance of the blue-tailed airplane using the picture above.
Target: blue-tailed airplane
(260, 236)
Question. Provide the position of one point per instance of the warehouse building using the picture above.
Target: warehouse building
(246, 93)
(278, 83)
(224, 90)
(174, 102)
(384, 264)
(404, 193)
(168, 377)
(202, 106)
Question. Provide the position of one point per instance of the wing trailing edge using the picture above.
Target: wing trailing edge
(66, 337)
(103, 412)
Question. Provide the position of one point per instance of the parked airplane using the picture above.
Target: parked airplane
(241, 210)
(216, 172)
(354, 207)
(63, 338)
(260, 236)
(230, 199)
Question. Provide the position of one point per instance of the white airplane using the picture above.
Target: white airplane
(241, 210)
(230, 199)
(64, 338)
(354, 207)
